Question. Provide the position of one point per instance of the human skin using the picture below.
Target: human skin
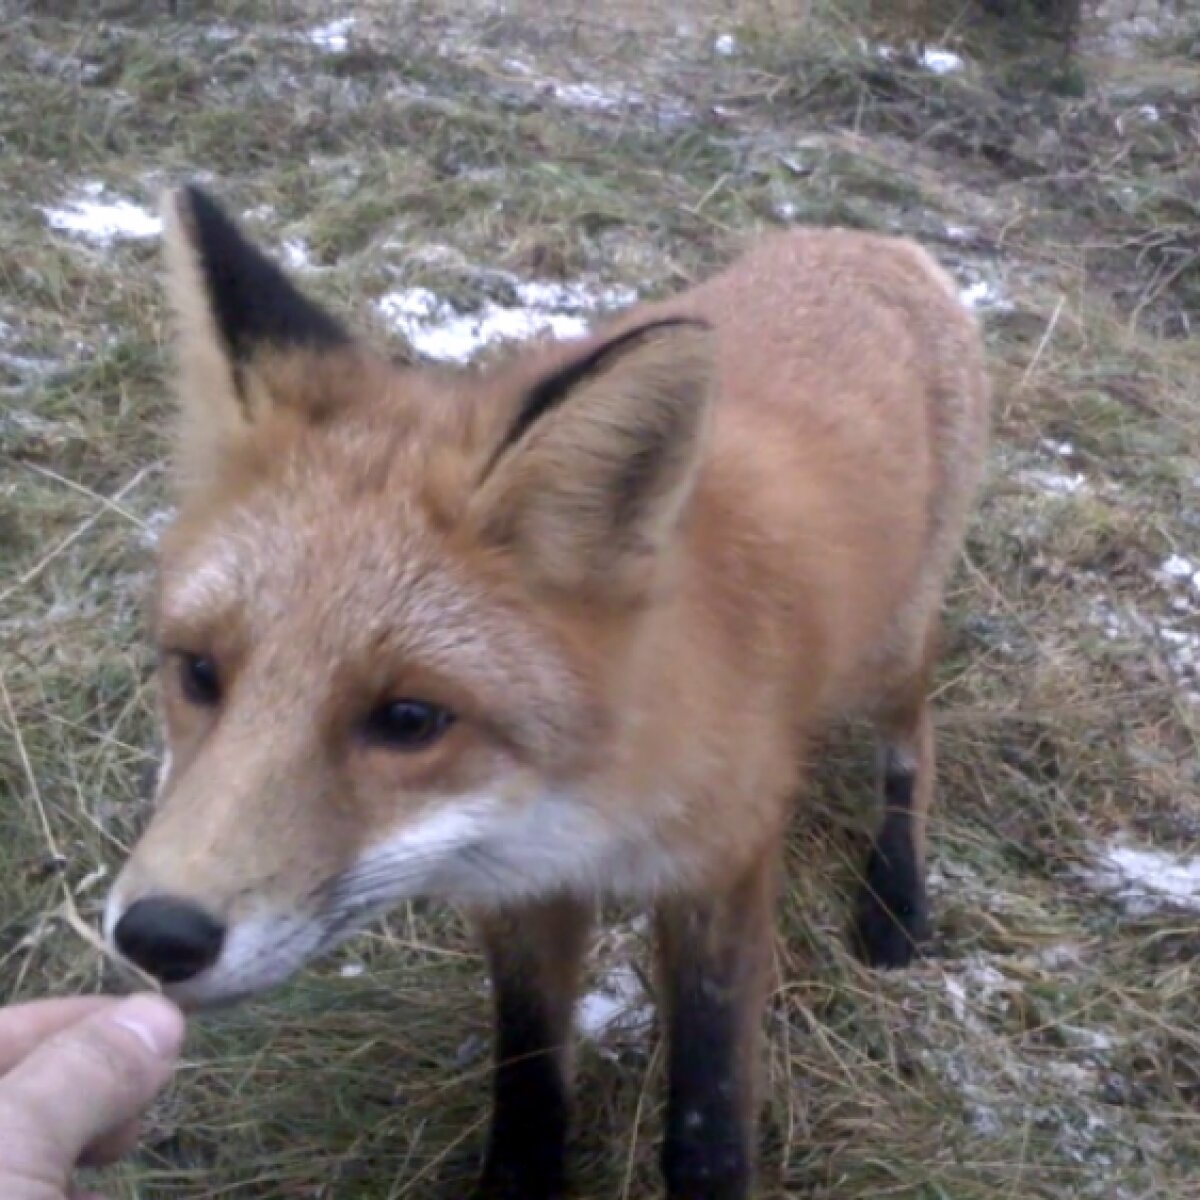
(75, 1074)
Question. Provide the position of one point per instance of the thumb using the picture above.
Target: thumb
(83, 1083)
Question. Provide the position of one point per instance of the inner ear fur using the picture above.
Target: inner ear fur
(591, 474)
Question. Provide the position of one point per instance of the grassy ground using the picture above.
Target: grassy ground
(1050, 1045)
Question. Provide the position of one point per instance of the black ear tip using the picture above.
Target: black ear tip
(197, 198)
(252, 300)
(200, 212)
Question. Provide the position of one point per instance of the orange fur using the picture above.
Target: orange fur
(731, 532)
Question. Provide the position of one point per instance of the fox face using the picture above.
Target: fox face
(392, 616)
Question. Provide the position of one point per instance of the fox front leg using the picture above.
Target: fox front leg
(714, 957)
(534, 953)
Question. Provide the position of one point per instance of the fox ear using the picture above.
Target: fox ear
(236, 311)
(595, 468)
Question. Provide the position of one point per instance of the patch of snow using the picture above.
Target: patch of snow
(434, 253)
(438, 331)
(982, 294)
(1121, 24)
(1113, 623)
(64, 66)
(795, 165)
(103, 220)
(941, 61)
(1149, 112)
(1184, 648)
(333, 37)
(725, 45)
(598, 98)
(1086, 1038)
(296, 255)
(936, 59)
(617, 1003)
(1179, 570)
(1179, 648)
(1178, 567)
(220, 33)
(1062, 449)
(153, 526)
(351, 970)
(1060, 957)
(984, 1119)
(1055, 483)
(976, 981)
(958, 998)
(589, 96)
(412, 304)
(1145, 879)
(460, 338)
(1002, 1087)
(27, 369)
(786, 210)
(20, 420)
(573, 297)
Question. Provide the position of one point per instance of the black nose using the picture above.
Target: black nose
(171, 939)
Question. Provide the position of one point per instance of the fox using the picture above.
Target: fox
(557, 629)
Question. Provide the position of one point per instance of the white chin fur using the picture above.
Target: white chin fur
(164, 771)
(113, 908)
(259, 953)
(478, 850)
(473, 850)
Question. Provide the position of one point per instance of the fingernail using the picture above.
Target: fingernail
(157, 1022)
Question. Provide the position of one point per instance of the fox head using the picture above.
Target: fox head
(391, 617)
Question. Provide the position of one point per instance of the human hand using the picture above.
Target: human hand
(74, 1076)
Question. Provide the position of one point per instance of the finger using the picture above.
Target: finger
(23, 1027)
(85, 1082)
(111, 1146)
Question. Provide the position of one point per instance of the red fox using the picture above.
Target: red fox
(553, 630)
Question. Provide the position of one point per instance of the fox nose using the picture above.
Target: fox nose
(173, 940)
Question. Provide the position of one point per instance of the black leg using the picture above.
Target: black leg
(893, 910)
(705, 1152)
(527, 1143)
(715, 958)
(534, 954)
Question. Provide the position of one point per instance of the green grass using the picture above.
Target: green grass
(1049, 1045)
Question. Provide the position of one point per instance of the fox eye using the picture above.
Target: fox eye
(199, 680)
(407, 724)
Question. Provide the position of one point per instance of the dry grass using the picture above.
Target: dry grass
(1050, 1045)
